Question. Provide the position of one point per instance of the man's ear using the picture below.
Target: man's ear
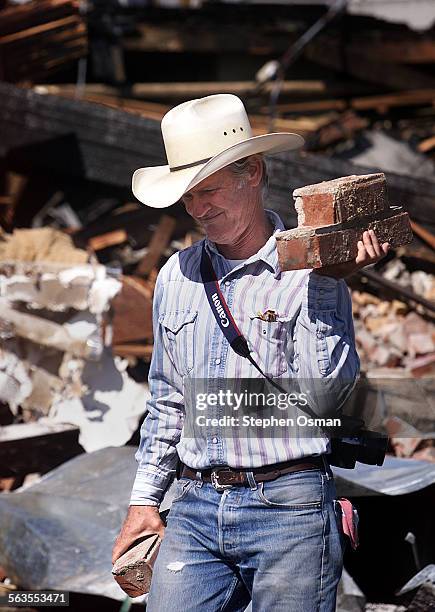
(255, 170)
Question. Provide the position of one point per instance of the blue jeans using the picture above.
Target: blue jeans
(278, 543)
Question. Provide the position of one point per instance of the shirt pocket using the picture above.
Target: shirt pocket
(179, 329)
(272, 345)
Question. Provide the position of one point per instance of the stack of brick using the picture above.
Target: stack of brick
(332, 217)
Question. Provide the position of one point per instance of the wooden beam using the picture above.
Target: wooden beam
(301, 125)
(103, 241)
(424, 234)
(132, 312)
(401, 51)
(343, 128)
(31, 14)
(427, 144)
(206, 35)
(37, 447)
(158, 244)
(197, 89)
(50, 27)
(381, 102)
(402, 98)
(310, 106)
(329, 52)
(403, 292)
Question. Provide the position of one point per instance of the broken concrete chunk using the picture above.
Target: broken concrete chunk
(47, 333)
(58, 288)
(110, 406)
(15, 383)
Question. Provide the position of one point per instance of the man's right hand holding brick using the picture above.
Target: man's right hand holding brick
(369, 252)
(140, 521)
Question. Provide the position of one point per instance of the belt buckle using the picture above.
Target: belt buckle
(214, 477)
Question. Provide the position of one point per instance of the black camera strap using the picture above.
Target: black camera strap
(222, 314)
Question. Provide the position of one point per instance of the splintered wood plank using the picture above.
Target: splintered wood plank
(36, 447)
(207, 88)
(399, 51)
(50, 27)
(15, 185)
(158, 244)
(424, 234)
(103, 241)
(309, 106)
(107, 96)
(132, 308)
(301, 125)
(357, 62)
(427, 144)
(402, 98)
(29, 15)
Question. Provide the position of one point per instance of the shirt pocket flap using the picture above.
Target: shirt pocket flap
(174, 321)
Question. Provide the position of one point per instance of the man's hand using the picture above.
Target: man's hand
(369, 252)
(140, 521)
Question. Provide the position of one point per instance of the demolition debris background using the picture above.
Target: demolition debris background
(82, 92)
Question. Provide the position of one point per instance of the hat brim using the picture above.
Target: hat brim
(158, 187)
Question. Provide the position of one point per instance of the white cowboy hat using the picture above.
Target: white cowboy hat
(201, 137)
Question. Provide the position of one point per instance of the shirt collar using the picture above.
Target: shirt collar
(268, 252)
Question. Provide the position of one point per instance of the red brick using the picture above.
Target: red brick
(133, 570)
(315, 247)
(341, 200)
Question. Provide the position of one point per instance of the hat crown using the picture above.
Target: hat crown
(196, 130)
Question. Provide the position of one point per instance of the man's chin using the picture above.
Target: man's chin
(216, 236)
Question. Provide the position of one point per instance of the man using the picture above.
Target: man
(273, 536)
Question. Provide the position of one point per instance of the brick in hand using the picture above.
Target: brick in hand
(133, 570)
(332, 217)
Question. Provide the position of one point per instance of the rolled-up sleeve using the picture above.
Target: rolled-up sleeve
(161, 430)
(326, 361)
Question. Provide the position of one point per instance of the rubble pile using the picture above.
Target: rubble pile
(391, 335)
(79, 260)
(55, 358)
(58, 23)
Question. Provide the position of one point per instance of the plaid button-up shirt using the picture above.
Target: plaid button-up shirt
(311, 338)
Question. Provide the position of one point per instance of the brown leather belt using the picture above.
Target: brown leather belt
(222, 477)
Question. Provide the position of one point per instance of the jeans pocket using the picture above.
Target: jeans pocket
(297, 491)
(182, 488)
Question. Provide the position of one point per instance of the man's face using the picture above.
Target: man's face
(222, 205)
